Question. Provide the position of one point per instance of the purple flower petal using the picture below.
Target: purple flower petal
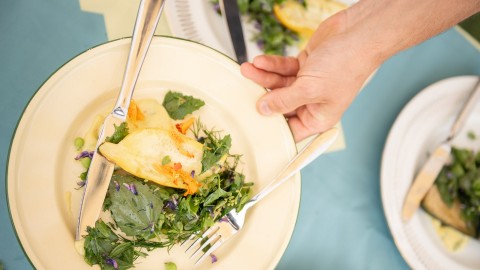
(224, 219)
(192, 173)
(117, 185)
(171, 204)
(151, 226)
(81, 183)
(216, 7)
(131, 187)
(111, 262)
(214, 258)
(84, 154)
(210, 210)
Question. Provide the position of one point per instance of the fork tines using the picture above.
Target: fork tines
(205, 244)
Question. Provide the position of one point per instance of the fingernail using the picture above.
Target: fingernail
(264, 109)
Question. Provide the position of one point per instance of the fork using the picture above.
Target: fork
(230, 224)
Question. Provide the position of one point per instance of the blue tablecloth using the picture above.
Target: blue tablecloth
(341, 224)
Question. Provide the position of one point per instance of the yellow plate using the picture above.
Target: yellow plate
(42, 173)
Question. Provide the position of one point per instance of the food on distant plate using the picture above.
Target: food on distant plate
(455, 197)
(304, 17)
(174, 178)
(283, 23)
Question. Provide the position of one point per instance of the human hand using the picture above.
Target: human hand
(314, 89)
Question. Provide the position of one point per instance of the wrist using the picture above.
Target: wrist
(384, 28)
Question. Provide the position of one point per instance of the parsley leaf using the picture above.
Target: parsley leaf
(214, 148)
(121, 132)
(100, 244)
(179, 105)
(217, 194)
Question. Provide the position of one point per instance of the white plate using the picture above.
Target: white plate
(42, 173)
(198, 21)
(420, 127)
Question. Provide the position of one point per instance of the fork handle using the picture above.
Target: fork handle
(309, 153)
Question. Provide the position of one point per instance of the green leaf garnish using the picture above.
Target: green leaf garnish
(179, 105)
(121, 131)
(136, 214)
(214, 149)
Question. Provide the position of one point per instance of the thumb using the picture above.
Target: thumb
(281, 100)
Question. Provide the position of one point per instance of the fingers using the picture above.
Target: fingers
(308, 105)
(301, 131)
(312, 119)
(265, 78)
(286, 66)
(284, 100)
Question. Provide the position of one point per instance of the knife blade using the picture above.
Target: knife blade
(98, 179)
(101, 170)
(440, 156)
(231, 15)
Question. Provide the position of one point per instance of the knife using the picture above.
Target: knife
(440, 156)
(101, 170)
(231, 15)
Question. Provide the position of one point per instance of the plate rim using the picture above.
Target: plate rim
(77, 55)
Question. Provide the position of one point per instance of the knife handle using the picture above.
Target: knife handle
(147, 19)
(315, 148)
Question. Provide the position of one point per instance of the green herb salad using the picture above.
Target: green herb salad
(455, 198)
(272, 37)
(279, 24)
(174, 178)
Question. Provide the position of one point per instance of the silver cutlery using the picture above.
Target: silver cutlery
(430, 170)
(231, 15)
(100, 170)
(202, 246)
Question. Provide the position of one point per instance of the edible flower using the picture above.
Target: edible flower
(214, 258)
(185, 125)
(224, 219)
(177, 166)
(81, 183)
(134, 112)
(151, 226)
(171, 204)
(84, 154)
(117, 186)
(111, 262)
(131, 187)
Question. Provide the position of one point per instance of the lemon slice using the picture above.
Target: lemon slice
(305, 21)
(144, 152)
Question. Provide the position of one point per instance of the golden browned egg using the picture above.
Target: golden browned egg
(154, 149)
(165, 157)
(147, 113)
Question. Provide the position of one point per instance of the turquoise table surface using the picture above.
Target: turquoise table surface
(341, 224)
